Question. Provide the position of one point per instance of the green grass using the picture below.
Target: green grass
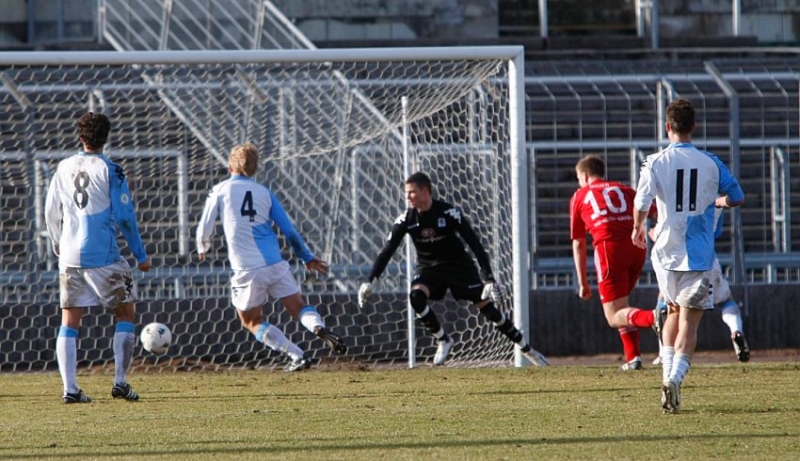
(730, 411)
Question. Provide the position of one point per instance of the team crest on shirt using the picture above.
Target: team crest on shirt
(454, 213)
(124, 198)
(427, 233)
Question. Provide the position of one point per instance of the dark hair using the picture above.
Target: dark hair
(680, 116)
(592, 165)
(93, 129)
(421, 180)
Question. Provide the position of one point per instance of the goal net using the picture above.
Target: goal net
(336, 142)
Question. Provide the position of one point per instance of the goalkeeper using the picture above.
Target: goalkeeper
(443, 263)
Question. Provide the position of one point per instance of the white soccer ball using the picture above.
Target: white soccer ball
(156, 338)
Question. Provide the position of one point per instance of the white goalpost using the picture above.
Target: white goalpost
(338, 130)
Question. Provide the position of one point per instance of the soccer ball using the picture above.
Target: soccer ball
(156, 338)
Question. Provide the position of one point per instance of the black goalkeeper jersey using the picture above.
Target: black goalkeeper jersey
(435, 234)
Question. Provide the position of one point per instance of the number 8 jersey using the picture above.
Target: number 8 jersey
(87, 203)
(247, 210)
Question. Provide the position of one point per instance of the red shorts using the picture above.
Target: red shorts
(619, 264)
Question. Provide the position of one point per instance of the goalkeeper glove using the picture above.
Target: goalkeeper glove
(492, 290)
(364, 292)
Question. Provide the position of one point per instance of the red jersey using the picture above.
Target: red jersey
(604, 209)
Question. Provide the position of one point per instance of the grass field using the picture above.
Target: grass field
(730, 411)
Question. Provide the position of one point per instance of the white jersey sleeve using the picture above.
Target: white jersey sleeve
(88, 203)
(248, 212)
(208, 221)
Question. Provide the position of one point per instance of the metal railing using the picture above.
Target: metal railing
(750, 118)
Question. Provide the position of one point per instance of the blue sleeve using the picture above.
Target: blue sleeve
(728, 184)
(279, 217)
(124, 213)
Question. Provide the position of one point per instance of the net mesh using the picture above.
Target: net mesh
(332, 150)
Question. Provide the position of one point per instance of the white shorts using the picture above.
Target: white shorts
(720, 290)
(686, 289)
(249, 289)
(108, 286)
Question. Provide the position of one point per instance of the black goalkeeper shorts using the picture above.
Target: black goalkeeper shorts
(463, 281)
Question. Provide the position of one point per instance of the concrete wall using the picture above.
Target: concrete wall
(561, 324)
(13, 11)
(393, 20)
(13, 27)
(46, 21)
(772, 21)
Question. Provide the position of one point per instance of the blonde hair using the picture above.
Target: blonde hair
(244, 159)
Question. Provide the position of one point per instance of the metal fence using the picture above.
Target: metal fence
(747, 115)
(748, 109)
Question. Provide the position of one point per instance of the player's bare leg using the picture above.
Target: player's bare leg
(659, 317)
(616, 312)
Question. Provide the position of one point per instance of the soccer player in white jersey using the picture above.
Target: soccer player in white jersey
(248, 211)
(687, 184)
(87, 202)
(722, 299)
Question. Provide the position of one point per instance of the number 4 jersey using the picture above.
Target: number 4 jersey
(87, 204)
(247, 211)
(685, 182)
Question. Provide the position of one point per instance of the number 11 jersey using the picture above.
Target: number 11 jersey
(685, 183)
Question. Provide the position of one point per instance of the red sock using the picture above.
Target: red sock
(630, 342)
(641, 318)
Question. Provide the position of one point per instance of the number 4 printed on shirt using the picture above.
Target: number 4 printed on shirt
(247, 206)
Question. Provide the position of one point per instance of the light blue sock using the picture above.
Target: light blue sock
(124, 342)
